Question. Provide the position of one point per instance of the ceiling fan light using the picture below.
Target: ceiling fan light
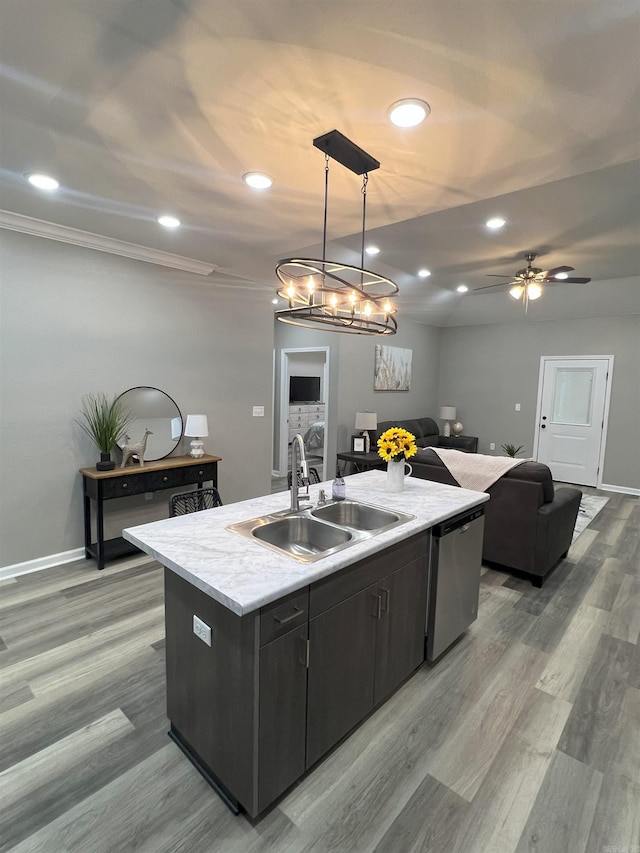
(409, 112)
(561, 275)
(516, 291)
(534, 291)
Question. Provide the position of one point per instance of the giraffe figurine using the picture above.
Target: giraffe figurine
(135, 450)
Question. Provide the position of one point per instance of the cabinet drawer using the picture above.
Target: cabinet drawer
(330, 591)
(283, 615)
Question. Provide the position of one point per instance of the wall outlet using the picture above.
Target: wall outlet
(258, 411)
(492, 446)
(201, 630)
(517, 407)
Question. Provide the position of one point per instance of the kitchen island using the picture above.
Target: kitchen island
(270, 662)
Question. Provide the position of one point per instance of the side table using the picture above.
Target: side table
(361, 461)
(100, 486)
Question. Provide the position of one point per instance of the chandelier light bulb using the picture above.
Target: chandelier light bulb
(367, 309)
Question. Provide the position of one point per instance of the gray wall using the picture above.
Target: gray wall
(486, 370)
(74, 321)
(351, 377)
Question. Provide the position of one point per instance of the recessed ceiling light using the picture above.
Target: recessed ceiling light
(257, 180)
(561, 275)
(496, 223)
(274, 301)
(462, 288)
(168, 221)
(43, 182)
(423, 273)
(372, 250)
(409, 112)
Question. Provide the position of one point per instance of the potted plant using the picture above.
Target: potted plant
(511, 449)
(104, 421)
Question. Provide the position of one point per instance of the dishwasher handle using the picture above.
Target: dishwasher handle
(459, 523)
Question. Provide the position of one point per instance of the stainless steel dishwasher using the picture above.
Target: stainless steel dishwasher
(454, 579)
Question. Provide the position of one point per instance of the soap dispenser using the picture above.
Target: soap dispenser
(338, 490)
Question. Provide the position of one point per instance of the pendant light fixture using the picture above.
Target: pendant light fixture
(323, 294)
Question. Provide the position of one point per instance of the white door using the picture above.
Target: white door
(572, 407)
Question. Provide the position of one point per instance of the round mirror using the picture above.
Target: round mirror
(155, 412)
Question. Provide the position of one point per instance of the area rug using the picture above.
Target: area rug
(590, 506)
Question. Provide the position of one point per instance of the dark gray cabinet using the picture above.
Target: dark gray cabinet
(280, 687)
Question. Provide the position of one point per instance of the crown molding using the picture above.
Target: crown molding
(64, 234)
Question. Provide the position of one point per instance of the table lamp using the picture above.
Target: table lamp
(366, 421)
(197, 427)
(447, 413)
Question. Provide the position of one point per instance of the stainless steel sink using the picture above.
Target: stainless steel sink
(357, 515)
(302, 536)
(316, 532)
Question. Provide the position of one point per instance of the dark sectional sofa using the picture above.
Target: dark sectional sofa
(528, 522)
(428, 435)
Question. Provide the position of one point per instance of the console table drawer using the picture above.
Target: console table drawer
(153, 481)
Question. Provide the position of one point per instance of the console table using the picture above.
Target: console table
(100, 486)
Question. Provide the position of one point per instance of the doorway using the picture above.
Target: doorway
(572, 415)
(311, 421)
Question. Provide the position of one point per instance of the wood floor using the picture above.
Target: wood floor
(525, 736)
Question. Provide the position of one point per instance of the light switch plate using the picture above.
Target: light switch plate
(258, 411)
(517, 407)
(201, 630)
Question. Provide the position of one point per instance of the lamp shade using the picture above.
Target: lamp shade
(366, 420)
(197, 426)
(448, 413)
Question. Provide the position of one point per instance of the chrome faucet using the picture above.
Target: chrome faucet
(301, 462)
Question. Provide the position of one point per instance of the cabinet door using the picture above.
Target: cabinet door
(401, 627)
(282, 716)
(341, 666)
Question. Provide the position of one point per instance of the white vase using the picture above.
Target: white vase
(396, 472)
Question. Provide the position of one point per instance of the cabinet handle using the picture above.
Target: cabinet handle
(125, 486)
(165, 479)
(387, 599)
(305, 659)
(378, 612)
(291, 616)
(200, 472)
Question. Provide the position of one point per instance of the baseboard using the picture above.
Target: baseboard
(41, 563)
(624, 490)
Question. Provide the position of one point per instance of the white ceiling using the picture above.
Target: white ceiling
(141, 107)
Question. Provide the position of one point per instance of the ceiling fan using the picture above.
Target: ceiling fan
(527, 282)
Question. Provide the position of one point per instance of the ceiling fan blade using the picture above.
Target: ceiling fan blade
(572, 280)
(496, 275)
(556, 270)
(493, 288)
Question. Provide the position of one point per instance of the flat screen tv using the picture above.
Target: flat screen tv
(304, 389)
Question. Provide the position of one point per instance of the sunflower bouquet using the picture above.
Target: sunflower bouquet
(396, 445)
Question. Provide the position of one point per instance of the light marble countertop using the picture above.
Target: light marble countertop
(245, 575)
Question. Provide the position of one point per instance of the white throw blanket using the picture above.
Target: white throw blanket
(474, 470)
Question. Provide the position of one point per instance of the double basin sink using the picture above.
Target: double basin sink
(315, 532)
